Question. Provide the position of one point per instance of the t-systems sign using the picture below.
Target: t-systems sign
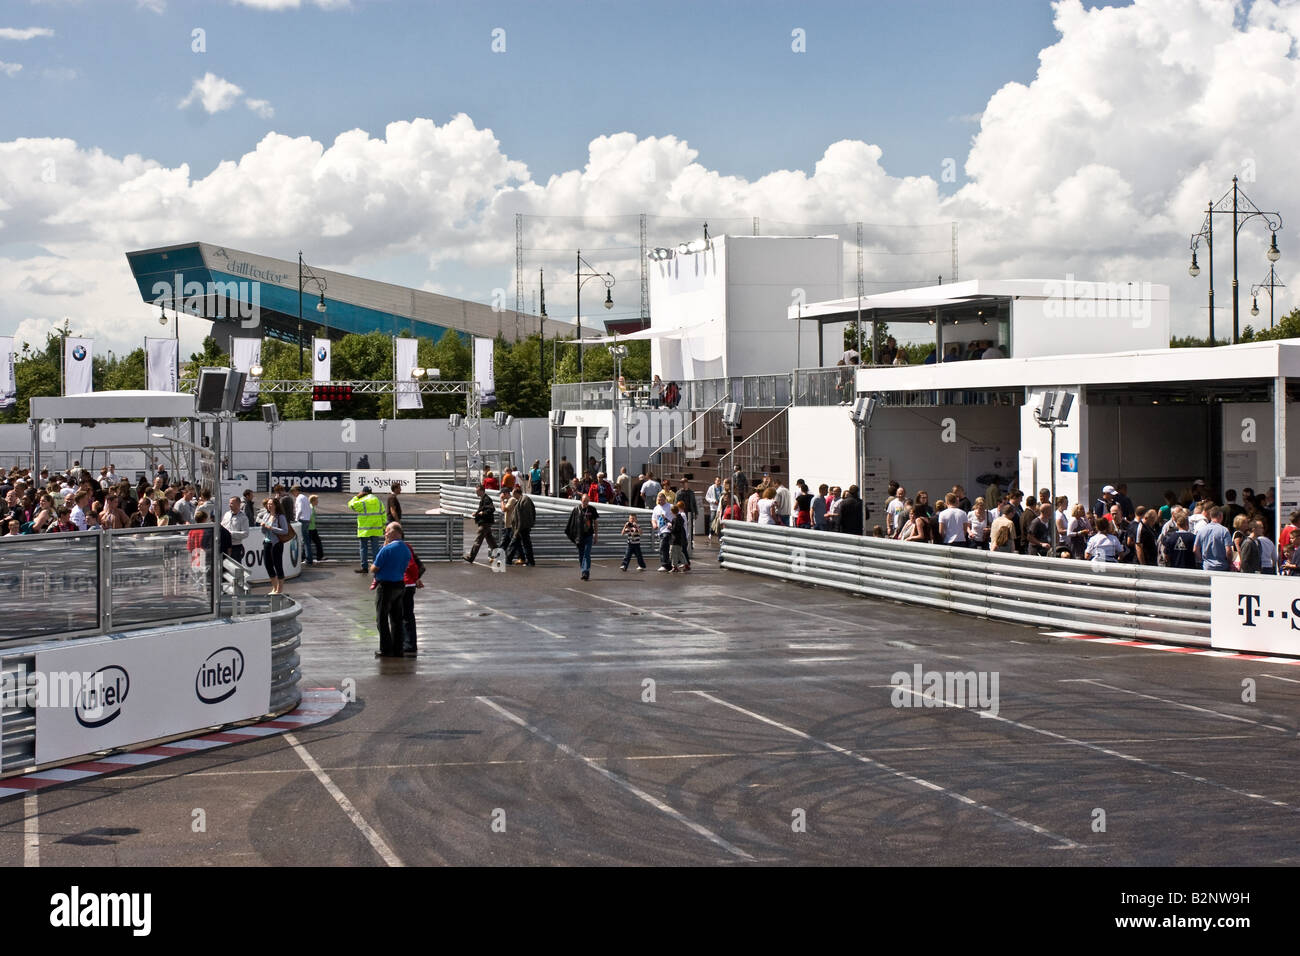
(133, 689)
(1255, 612)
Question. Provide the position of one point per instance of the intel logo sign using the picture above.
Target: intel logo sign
(218, 676)
(101, 697)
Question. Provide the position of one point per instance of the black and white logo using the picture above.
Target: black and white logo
(218, 676)
(102, 697)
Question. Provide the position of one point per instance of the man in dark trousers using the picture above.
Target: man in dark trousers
(389, 570)
(483, 518)
(583, 531)
(521, 546)
(851, 512)
(686, 495)
(565, 472)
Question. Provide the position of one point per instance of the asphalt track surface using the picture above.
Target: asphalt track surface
(524, 734)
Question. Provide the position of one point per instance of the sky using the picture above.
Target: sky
(398, 139)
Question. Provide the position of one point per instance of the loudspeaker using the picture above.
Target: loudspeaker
(1062, 402)
(499, 418)
(211, 391)
(731, 413)
(454, 420)
(270, 414)
(557, 417)
(234, 390)
(862, 410)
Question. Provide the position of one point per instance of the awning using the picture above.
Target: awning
(101, 406)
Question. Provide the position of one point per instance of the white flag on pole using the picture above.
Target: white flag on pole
(161, 359)
(484, 372)
(8, 385)
(244, 354)
(77, 358)
(407, 392)
(320, 369)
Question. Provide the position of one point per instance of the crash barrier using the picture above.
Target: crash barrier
(1123, 600)
(71, 698)
(548, 537)
(434, 537)
(81, 583)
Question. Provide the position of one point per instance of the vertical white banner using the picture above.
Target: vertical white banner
(484, 372)
(405, 358)
(320, 369)
(77, 356)
(161, 358)
(8, 384)
(244, 354)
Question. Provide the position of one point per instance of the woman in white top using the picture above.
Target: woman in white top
(977, 525)
(1103, 546)
(767, 507)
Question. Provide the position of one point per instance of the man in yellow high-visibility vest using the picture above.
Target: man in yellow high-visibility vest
(370, 526)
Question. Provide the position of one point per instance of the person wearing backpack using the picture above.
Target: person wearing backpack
(411, 578)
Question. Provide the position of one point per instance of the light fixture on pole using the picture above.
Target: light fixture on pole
(305, 275)
(270, 415)
(618, 353)
(1238, 205)
(1054, 413)
(1271, 282)
(582, 278)
(731, 416)
(860, 412)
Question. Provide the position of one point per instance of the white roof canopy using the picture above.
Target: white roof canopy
(102, 406)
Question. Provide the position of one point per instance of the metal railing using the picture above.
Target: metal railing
(1124, 600)
(77, 584)
(824, 386)
(696, 395)
(548, 537)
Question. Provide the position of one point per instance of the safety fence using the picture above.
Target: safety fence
(1131, 601)
(548, 537)
(434, 537)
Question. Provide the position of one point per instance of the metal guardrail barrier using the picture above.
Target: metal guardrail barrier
(548, 537)
(1123, 600)
(18, 723)
(434, 537)
(76, 584)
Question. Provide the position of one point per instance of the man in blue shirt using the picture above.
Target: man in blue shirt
(1214, 543)
(389, 570)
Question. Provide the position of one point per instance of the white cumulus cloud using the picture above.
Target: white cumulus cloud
(262, 108)
(10, 69)
(213, 93)
(24, 33)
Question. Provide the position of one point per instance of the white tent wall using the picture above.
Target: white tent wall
(733, 298)
(1248, 462)
(913, 440)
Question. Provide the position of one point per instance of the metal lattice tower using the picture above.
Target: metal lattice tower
(954, 251)
(645, 275)
(473, 419)
(519, 269)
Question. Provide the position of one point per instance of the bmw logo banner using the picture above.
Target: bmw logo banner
(320, 369)
(77, 363)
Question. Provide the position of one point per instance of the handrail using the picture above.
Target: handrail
(724, 398)
(754, 434)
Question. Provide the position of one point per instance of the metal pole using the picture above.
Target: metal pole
(862, 495)
(1209, 245)
(300, 312)
(1279, 460)
(1052, 473)
(582, 375)
(1235, 303)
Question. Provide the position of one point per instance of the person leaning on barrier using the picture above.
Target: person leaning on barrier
(851, 512)
(234, 530)
(370, 526)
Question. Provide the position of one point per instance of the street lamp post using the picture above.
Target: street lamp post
(1269, 284)
(618, 353)
(305, 275)
(1238, 205)
(582, 278)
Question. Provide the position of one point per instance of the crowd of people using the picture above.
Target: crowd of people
(1191, 530)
